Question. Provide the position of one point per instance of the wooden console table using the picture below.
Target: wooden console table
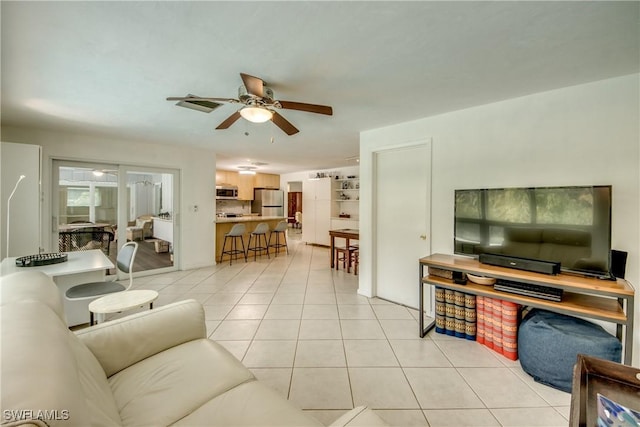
(610, 301)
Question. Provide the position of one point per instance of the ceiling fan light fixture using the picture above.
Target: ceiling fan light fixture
(246, 170)
(256, 114)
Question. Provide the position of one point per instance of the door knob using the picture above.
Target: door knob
(423, 236)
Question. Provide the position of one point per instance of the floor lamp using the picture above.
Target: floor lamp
(9, 210)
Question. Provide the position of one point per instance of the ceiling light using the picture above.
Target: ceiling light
(246, 170)
(98, 173)
(256, 114)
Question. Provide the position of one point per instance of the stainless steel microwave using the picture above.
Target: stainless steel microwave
(229, 192)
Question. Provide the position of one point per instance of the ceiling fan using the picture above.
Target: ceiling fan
(259, 105)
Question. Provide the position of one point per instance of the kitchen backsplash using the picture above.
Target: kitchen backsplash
(233, 206)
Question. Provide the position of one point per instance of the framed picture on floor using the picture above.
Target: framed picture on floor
(604, 393)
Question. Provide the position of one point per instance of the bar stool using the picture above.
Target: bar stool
(342, 254)
(260, 231)
(281, 228)
(355, 260)
(236, 232)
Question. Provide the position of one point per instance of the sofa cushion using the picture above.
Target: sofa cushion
(123, 342)
(39, 366)
(249, 404)
(161, 389)
(95, 387)
(31, 285)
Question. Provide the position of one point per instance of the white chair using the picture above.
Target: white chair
(91, 291)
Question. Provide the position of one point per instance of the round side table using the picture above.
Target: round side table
(121, 301)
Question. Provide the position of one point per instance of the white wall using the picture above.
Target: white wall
(579, 135)
(24, 218)
(197, 180)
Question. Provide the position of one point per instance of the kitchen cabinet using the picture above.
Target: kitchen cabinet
(245, 187)
(316, 216)
(246, 183)
(267, 180)
(226, 177)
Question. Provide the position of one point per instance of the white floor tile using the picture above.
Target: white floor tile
(501, 388)
(465, 353)
(361, 329)
(321, 388)
(369, 353)
(278, 379)
(403, 417)
(278, 330)
(284, 311)
(381, 388)
(235, 330)
(529, 417)
(460, 418)
(270, 354)
(355, 311)
(419, 353)
(320, 354)
(320, 329)
(441, 388)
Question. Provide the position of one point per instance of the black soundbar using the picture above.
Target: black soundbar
(537, 266)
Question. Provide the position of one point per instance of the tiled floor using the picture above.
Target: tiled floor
(302, 328)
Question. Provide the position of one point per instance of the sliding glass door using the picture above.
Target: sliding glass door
(102, 206)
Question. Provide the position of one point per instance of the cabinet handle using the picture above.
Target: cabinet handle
(423, 236)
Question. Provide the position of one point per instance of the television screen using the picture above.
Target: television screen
(570, 225)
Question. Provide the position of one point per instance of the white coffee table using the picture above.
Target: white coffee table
(121, 301)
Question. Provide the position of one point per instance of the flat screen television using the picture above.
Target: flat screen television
(569, 225)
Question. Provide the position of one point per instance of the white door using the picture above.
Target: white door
(402, 209)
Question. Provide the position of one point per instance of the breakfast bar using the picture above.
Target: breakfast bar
(224, 224)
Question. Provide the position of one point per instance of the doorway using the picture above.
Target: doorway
(402, 210)
(102, 206)
(294, 205)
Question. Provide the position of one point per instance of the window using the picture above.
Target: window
(81, 196)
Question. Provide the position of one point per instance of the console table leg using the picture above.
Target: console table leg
(628, 333)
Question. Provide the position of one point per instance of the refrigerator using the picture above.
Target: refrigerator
(268, 202)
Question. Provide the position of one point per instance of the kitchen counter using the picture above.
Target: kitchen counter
(248, 218)
(223, 226)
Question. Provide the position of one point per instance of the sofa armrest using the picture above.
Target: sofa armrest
(120, 343)
(360, 416)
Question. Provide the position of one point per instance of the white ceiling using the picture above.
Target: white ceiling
(106, 67)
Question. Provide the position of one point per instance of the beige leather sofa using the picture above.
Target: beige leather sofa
(152, 368)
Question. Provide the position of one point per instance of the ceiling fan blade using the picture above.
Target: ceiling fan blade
(254, 85)
(309, 108)
(199, 98)
(229, 121)
(283, 124)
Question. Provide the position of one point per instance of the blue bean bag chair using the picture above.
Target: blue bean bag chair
(549, 343)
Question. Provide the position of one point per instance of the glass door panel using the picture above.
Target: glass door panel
(148, 195)
(85, 211)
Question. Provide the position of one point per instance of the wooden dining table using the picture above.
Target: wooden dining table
(82, 226)
(344, 233)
